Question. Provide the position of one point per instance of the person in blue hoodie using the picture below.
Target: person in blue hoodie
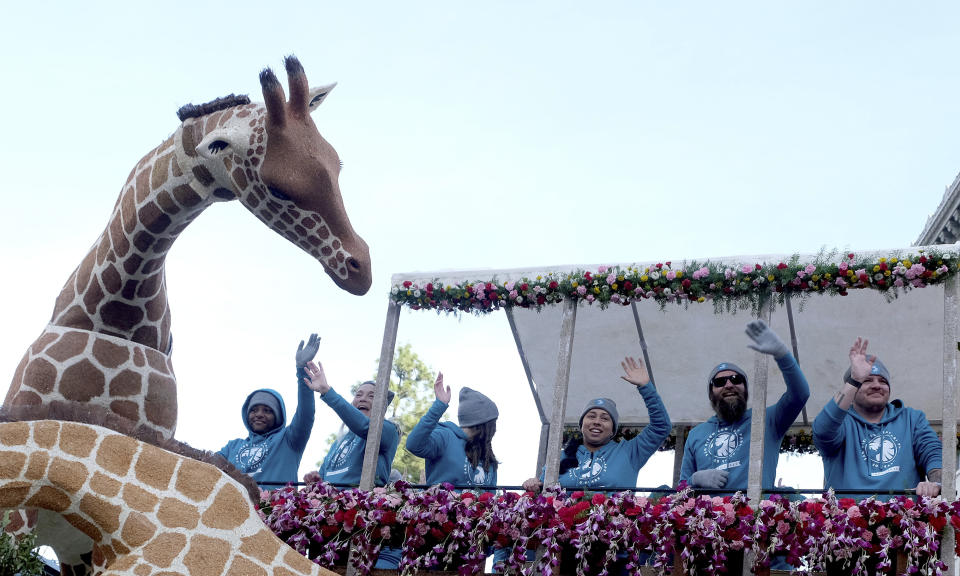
(272, 451)
(870, 443)
(717, 452)
(596, 462)
(461, 455)
(343, 464)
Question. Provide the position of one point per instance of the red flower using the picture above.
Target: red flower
(628, 286)
(938, 522)
(541, 299)
(524, 287)
(553, 285)
(407, 283)
(757, 267)
(485, 497)
(598, 499)
(686, 283)
(923, 259)
(781, 266)
(429, 286)
(659, 265)
(668, 264)
(850, 255)
(577, 495)
(883, 265)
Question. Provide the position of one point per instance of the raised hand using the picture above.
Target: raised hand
(635, 371)
(860, 363)
(765, 340)
(308, 352)
(311, 477)
(316, 380)
(443, 392)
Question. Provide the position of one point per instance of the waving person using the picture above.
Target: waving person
(598, 462)
(461, 455)
(271, 452)
(344, 463)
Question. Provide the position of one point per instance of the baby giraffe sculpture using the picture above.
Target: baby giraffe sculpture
(108, 342)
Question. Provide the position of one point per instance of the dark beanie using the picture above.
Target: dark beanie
(720, 368)
(390, 393)
(604, 404)
(266, 399)
(475, 408)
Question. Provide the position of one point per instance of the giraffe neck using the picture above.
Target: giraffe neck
(119, 288)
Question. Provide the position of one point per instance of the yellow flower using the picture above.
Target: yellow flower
(596, 289)
(644, 278)
(886, 272)
(828, 276)
(815, 277)
(679, 273)
(876, 268)
(620, 278)
(614, 286)
(883, 259)
(770, 277)
(409, 292)
(701, 299)
(907, 263)
(539, 278)
(850, 273)
(574, 284)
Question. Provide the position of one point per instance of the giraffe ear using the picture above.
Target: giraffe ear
(220, 142)
(319, 94)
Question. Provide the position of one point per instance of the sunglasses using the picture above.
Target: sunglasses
(735, 379)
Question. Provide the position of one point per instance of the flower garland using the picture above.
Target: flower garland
(589, 532)
(728, 287)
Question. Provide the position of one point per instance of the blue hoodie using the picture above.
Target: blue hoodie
(616, 464)
(726, 445)
(442, 445)
(273, 459)
(344, 463)
(894, 454)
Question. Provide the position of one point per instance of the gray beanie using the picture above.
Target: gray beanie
(604, 404)
(475, 408)
(720, 368)
(877, 369)
(266, 399)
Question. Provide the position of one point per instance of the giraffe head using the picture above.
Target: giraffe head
(273, 158)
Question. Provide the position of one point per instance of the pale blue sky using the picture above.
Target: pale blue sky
(507, 135)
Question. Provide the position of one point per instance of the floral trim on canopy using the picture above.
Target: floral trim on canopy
(729, 287)
(443, 528)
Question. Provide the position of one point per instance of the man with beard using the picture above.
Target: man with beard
(868, 442)
(717, 453)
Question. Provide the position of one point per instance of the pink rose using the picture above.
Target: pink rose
(581, 290)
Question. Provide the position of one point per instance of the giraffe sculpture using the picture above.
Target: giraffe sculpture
(147, 511)
(108, 342)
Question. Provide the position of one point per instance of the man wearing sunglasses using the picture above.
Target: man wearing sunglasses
(868, 442)
(716, 454)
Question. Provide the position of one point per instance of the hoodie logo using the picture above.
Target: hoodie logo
(589, 471)
(342, 452)
(251, 457)
(880, 451)
(476, 476)
(723, 445)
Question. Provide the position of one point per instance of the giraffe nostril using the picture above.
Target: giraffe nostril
(353, 264)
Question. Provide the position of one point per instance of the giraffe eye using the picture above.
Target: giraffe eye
(277, 193)
(217, 146)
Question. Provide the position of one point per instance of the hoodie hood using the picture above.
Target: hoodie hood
(281, 417)
(893, 410)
